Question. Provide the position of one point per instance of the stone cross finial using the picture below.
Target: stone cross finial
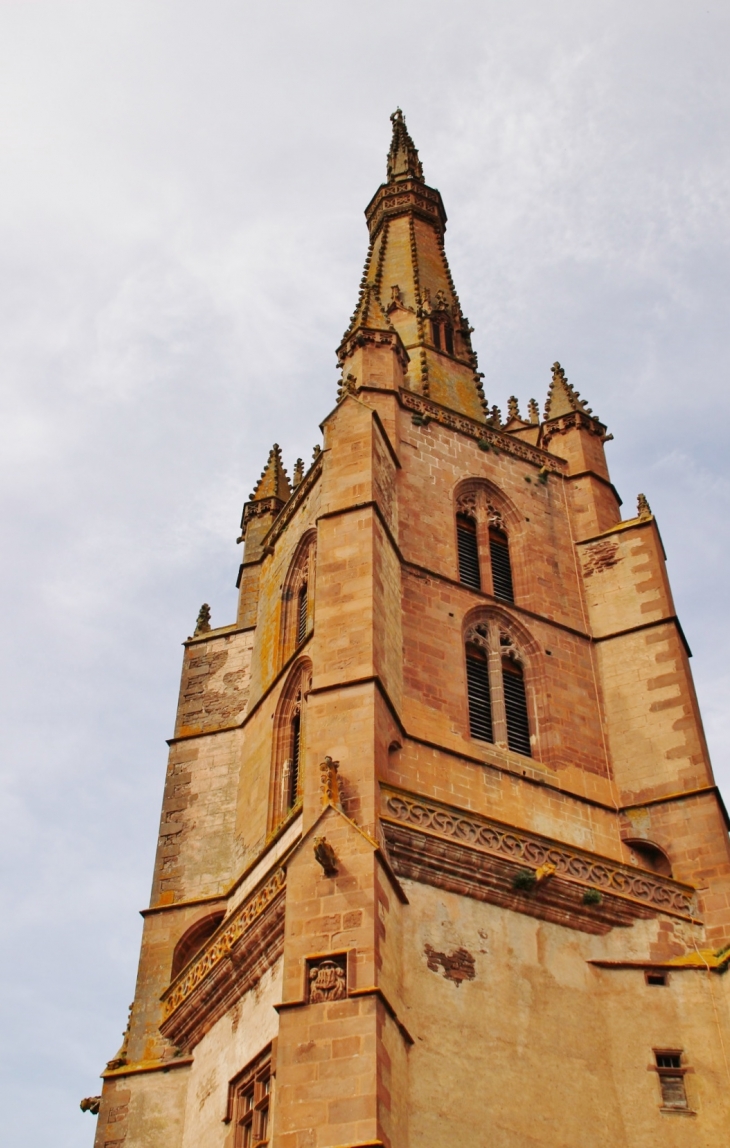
(642, 506)
(513, 407)
(202, 625)
(328, 783)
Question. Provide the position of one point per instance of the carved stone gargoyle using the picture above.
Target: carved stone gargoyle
(325, 854)
(90, 1104)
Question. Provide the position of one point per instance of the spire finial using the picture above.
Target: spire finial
(403, 161)
(562, 397)
(274, 481)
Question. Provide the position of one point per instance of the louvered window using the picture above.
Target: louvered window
(302, 615)
(466, 535)
(515, 704)
(480, 702)
(671, 1079)
(501, 567)
(296, 753)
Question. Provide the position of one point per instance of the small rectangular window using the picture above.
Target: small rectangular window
(654, 978)
(480, 702)
(671, 1078)
(466, 537)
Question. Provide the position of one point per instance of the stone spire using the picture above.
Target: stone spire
(407, 289)
(403, 161)
(562, 398)
(274, 481)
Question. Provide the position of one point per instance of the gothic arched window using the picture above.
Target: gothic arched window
(287, 775)
(495, 680)
(483, 517)
(193, 940)
(297, 597)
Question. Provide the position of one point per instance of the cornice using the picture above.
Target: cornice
(494, 439)
(407, 196)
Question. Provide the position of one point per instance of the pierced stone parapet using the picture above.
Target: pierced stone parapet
(237, 955)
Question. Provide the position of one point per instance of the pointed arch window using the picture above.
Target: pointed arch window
(297, 615)
(483, 545)
(496, 693)
(289, 742)
(193, 940)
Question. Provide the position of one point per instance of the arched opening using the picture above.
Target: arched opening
(289, 741)
(479, 695)
(466, 538)
(297, 598)
(193, 941)
(501, 565)
(649, 856)
(515, 704)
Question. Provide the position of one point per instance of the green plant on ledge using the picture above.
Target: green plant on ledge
(524, 881)
(592, 897)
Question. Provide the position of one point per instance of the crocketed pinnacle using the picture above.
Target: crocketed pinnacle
(403, 161)
(562, 398)
(370, 313)
(274, 481)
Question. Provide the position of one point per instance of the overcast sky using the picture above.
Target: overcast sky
(182, 239)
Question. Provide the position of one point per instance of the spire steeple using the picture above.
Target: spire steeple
(403, 161)
(408, 296)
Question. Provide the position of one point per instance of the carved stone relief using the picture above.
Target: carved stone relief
(327, 980)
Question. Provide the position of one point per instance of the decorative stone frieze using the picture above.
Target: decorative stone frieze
(478, 857)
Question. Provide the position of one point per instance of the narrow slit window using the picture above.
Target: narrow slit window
(302, 615)
(671, 1079)
(480, 702)
(296, 754)
(466, 537)
(501, 566)
(436, 329)
(449, 338)
(515, 704)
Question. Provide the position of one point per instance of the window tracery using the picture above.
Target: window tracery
(484, 521)
(497, 694)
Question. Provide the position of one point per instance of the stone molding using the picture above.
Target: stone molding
(482, 433)
(243, 948)
(478, 857)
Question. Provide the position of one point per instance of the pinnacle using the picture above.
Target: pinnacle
(370, 312)
(274, 481)
(562, 397)
(403, 161)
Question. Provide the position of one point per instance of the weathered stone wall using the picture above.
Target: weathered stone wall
(515, 1031)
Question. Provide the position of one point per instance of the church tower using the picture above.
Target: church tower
(441, 859)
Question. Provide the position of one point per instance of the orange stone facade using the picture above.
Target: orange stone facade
(374, 921)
